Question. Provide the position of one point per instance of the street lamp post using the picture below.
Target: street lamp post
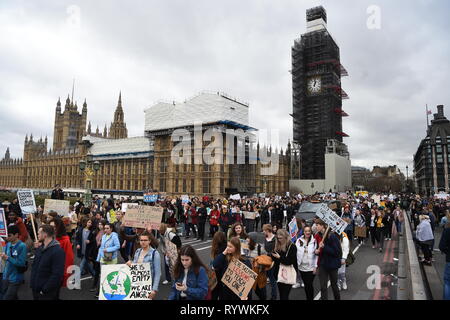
(88, 167)
(407, 185)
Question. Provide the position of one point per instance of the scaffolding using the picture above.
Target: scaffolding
(316, 117)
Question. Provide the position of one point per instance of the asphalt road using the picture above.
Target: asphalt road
(360, 275)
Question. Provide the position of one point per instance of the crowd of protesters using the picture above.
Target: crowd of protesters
(96, 234)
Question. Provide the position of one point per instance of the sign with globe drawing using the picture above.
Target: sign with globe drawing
(121, 282)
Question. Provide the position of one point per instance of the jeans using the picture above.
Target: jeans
(324, 274)
(398, 225)
(10, 290)
(447, 282)
(85, 263)
(284, 289)
(341, 275)
(379, 235)
(190, 226)
(308, 279)
(167, 270)
(273, 283)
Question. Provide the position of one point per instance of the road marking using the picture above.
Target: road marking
(329, 283)
(86, 278)
(199, 249)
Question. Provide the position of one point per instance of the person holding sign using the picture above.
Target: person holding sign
(329, 261)
(285, 258)
(220, 265)
(15, 257)
(191, 279)
(147, 254)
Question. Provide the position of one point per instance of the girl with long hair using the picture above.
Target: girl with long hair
(285, 253)
(221, 262)
(191, 279)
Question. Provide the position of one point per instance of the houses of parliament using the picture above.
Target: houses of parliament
(133, 165)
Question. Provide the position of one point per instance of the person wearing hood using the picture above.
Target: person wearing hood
(424, 236)
(48, 267)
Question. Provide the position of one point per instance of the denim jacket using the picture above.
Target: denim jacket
(197, 285)
(155, 265)
(111, 244)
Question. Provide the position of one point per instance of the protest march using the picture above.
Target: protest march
(243, 248)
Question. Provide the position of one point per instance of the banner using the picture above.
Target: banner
(184, 199)
(26, 201)
(249, 215)
(61, 207)
(121, 282)
(3, 224)
(293, 229)
(331, 218)
(239, 278)
(143, 217)
(150, 197)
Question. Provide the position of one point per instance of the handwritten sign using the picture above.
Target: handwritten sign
(331, 218)
(184, 199)
(235, 196)
(61, 207)
(3, 224)
(121, 282)
(26, 201)
(293, 229)
(125, 206)
(239, 278)
(249, 215)
(143, 217)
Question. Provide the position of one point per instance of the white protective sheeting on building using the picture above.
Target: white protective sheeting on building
(128, 148)
(205, 108)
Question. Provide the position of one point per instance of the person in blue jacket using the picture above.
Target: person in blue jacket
(110, 246)
(191, 279)
(48, 267)
(15, 259)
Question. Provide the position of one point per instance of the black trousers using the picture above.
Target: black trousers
(261, 293)
(201, 230)
(190, 226)
(324, 275)
(426, 249)
(373, 235)
(213, 230)
(284, 290)
(308, 279)
(97, 274)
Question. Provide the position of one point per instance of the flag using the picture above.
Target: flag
(428, 111)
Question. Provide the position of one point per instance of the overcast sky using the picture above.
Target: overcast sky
(155, 50)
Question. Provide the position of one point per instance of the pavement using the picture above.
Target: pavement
(362, 276)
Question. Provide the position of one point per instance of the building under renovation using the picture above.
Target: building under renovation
(317, 102)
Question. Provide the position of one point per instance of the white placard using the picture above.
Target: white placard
(26, 201)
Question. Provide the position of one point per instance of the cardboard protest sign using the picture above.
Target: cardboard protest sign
(249, 215)
(377, 199)
(121, 282)
(239, 278)
(26, 201)
(125, 206)
(331, 218)
(61, 207)
(150, 197)
(3, 224)
(143, 217)
(235, 196)
(293, 229)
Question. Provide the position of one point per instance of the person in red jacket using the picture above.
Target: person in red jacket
(214, 220)
(191, 219)
(66, 245)
(23, 233)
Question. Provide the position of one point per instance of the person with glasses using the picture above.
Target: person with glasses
(148, 254)
(15, 257)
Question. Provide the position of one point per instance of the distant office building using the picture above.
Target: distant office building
(431, 161)
(360, 177)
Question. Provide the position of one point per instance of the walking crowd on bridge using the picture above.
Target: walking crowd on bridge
(263, 241)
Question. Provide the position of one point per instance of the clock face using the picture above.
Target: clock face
(314, 85)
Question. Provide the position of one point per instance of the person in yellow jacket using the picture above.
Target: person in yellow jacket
(380, 230)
